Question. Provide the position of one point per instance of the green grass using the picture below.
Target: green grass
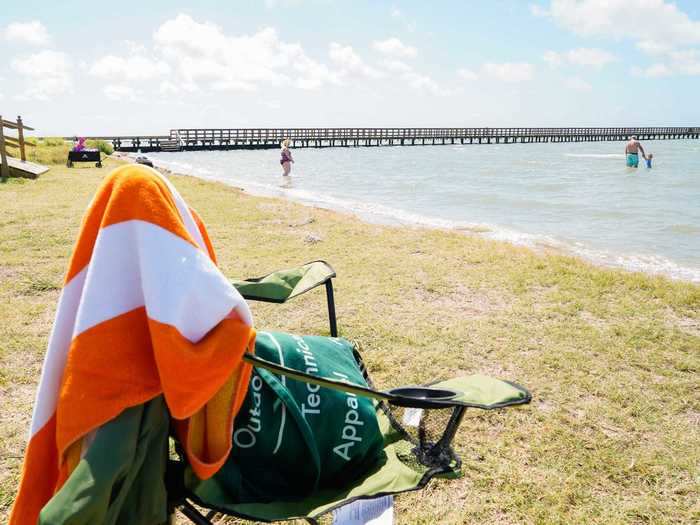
(612, 358)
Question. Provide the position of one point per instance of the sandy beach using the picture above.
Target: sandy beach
(612, 435)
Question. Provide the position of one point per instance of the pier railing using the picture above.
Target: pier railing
(257, 138)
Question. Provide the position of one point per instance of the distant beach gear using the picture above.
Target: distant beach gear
(144, 160)
(84, 155)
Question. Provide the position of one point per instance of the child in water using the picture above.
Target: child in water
(648, 159)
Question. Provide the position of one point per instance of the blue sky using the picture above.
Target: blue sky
(73, 67)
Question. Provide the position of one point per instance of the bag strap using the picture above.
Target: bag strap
(295, 412)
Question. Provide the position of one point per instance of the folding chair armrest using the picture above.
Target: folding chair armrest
(283, 285)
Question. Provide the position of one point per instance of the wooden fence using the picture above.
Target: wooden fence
(16, 142)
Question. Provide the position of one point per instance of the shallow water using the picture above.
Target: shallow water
(577, 197)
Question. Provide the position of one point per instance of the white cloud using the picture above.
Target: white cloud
(659, 28)
(504, 72)
(467, 74)
(396, 66)
(120, 92)
(134, 48)
(586, 56)
(425, 83)
(201, 52)
(136, 67)
(311, 74)
(509, 71)
(582, 56)
(686, 62)
(349, 62)
(553, 58)
(33, 33)
(653, 71)
(404, 72)
(48, 74)
(168, 88)
(658, 21)
(538, 10)
(578, 84)
(395, 12)
(680, 62)
(274, 4)
(653, 48)
(395, 48)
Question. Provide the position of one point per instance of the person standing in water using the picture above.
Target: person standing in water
(286, 159)
(632, 149)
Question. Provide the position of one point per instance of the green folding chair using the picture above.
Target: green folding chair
(134, 474)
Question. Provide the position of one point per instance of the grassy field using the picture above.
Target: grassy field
(612, 358)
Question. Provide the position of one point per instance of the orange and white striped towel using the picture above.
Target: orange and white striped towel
(144, 311)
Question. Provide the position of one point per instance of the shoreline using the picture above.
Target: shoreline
(652, 265)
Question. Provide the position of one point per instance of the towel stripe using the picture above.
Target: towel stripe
(55, 360)
(163, 274)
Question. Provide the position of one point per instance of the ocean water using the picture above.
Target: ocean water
(579, 198)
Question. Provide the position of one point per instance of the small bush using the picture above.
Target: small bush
(102, 145)
(53, 141)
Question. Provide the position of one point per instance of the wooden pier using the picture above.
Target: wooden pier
(191, 139)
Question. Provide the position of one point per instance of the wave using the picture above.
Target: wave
(683, 229)
(645, 263)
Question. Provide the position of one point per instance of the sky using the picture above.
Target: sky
(77, 68)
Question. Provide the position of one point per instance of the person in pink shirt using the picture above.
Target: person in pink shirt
(286, 160)
(79, 144)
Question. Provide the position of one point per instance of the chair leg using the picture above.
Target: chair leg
(452, 426)
(331, 308)
(194, 515)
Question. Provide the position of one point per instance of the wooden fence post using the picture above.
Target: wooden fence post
(4, 167)
(20, 136)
